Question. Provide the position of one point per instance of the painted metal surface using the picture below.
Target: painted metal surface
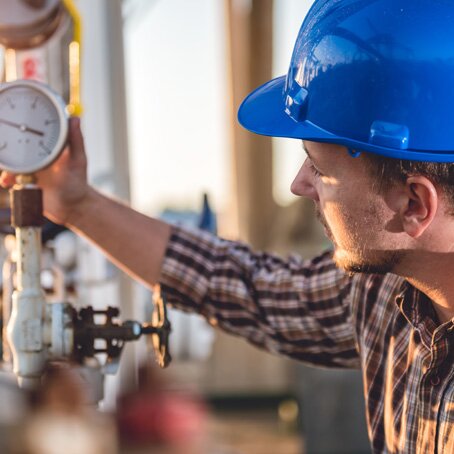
(373, 75)
(25, 326)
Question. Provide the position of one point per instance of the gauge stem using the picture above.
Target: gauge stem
(25, 179)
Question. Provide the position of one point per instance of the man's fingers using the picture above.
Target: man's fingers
(76, 140)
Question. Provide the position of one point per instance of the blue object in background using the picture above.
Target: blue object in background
(207, 219)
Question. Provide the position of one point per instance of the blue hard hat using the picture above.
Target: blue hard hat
(373, 75)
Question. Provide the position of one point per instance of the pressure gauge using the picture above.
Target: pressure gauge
(33, 126)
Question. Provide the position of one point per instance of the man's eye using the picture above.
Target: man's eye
(314, 170)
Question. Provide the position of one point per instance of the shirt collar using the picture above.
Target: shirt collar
(418, 309)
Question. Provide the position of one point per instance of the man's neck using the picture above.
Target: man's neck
(433, 275)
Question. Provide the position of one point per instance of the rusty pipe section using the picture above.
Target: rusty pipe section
(26, 324)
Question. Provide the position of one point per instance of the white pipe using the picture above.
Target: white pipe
(25, 328)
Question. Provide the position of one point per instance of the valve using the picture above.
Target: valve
(114, 334)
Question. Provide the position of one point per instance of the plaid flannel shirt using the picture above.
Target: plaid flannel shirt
(311, 311)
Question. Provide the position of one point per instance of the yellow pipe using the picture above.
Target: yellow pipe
(75, 106)
(10, 65)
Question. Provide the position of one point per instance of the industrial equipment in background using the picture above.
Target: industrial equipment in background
(40, 75)
(41, 40)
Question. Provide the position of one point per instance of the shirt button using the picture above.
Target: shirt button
(435, 380)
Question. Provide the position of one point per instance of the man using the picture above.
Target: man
(370, 91)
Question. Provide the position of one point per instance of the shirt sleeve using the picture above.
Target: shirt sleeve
(294, 307)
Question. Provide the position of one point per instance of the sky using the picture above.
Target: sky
(176, 82)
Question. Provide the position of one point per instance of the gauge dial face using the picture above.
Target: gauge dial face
(33, 126)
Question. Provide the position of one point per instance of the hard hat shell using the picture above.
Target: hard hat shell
(373, 75)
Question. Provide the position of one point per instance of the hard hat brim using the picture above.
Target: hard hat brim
(263, 112)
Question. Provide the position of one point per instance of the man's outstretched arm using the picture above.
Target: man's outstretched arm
(133, 241)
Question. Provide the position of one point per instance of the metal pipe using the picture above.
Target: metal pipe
(28, 257)
(26, 323)
(25, 327)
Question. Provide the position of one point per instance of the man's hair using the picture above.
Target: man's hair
(386, 171)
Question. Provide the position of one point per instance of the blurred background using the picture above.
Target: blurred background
(161, 84)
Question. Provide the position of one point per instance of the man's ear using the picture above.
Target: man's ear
(420, 207)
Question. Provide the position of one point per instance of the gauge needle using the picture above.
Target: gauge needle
(23, 128)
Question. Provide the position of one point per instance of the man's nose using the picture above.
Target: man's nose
(303, 183)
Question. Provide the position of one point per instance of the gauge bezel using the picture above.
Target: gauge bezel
(63, 118)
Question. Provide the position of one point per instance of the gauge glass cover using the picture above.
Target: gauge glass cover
(33, 126)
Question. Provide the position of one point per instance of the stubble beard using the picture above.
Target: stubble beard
(360, 261)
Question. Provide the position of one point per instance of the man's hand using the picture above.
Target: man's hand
(64, 183)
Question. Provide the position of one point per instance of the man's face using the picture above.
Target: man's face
(356, 217)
